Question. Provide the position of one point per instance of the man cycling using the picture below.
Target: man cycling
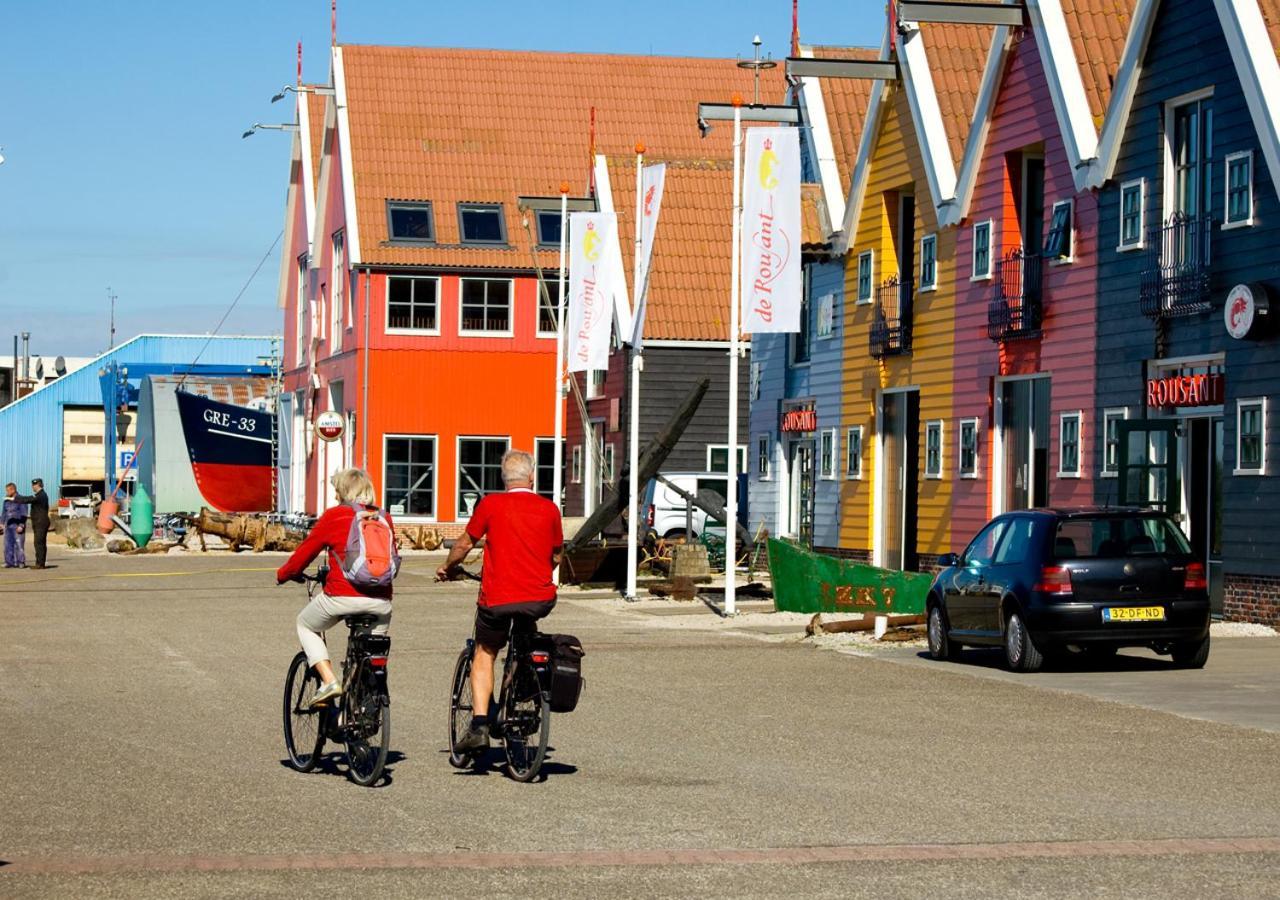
(523, 543)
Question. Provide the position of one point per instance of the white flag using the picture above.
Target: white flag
(771, 280)
(592, 273)
(652, 181)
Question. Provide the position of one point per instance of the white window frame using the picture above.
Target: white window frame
(537, 442)
(742, 458)
(1121, 414)
(825, 323)
(435, 476)
(870, 257)
(764, 452)
(1241, 405)
(595, 379)
(989, 225)
(931, 285)
(337, 287)
(829, 473)
(1228, 223)
(511, 310)
(607, 471)
(457, 468)
(303, 308)
(1171, 107)
(419, 331)
(940, 427)
(575, 465)
(1070, 256)
(537, 306)
(1078, 415)
(969, 422)
(849, 474)
(1141, 185)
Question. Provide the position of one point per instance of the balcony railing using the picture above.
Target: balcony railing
(1017, 308)
(891, 318)
(1175, 277)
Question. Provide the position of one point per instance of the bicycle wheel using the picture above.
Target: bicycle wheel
(460, 708)
(303, 734)
(368, 728)
(526, 725)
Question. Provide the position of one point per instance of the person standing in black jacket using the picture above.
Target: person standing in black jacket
(39, 502)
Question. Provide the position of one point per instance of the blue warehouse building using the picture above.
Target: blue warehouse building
(59, 433)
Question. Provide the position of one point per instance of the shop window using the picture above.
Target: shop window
(853, 453)
(486, 306)
(968, 448)
(1111, 419)
(413, 304)
(544, 458)
(410, 222)
(548, 228)
(718, 458)
(827, 454)
(1239, 202)
(1069, 427)
(1133, 195)
(764, 456)
(866, 261)
(575, 467)
(548, 309)
(928, 262)
(933, 449)
(1251, 432)
(1059, 243)
(409, 475)
(481, 223)
(982, 250)
(479, 470)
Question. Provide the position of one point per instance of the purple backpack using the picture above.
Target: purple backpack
(371, 559)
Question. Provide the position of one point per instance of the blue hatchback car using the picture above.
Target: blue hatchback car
(1043, 581)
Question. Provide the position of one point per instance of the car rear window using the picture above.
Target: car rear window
(1111, 537)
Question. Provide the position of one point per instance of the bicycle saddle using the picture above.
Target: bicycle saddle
(361, 622)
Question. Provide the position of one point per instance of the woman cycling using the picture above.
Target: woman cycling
(339, 597)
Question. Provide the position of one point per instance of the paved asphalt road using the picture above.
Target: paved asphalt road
(140, 702)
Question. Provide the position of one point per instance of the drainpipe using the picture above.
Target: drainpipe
(364, 380)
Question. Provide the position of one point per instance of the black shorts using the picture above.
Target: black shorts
(494, 622)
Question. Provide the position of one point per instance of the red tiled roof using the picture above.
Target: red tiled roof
(846, 100)
(1270, 10)
(315, 113)
(486, 126)
(957, 57)
(1098, 31)
(814, 230)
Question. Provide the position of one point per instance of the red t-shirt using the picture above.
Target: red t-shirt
(521, 531)
(330, 533)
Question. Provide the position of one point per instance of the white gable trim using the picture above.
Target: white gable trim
(814, 108)
(926, 115)
(344, 150)
(322, 181)
(1259, 73)
(862, 168)
(308, 176)
(287, 265)
(976, 144)
(1135, 49)
(1062, 72)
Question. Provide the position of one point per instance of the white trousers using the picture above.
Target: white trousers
(323, 612)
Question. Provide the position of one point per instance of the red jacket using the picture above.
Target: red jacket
(330, 533)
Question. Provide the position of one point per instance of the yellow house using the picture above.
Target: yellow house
(899, 314)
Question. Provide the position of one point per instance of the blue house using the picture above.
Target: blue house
(59, 434)
(1188, 358)
(795, 455)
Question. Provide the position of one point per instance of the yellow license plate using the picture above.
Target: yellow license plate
(1133, 614)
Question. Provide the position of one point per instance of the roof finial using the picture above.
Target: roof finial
(299, 62)
(333, 22)
(755, 65)
(795, 27)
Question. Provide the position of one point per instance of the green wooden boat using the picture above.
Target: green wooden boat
(808, 582)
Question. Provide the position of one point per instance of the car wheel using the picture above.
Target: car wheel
(940, 644)
(1020, 651)
(1191, 654)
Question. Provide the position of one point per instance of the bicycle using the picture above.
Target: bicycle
(361, 719)
(521, 715)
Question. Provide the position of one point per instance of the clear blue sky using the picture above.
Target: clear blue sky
(121, 129)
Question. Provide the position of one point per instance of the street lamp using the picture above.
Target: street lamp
(303, 89)
(738, 112)
(258, 126)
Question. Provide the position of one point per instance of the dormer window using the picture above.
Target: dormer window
(410, 221)
(481, 223)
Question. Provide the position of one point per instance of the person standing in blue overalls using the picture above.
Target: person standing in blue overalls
(15, 527)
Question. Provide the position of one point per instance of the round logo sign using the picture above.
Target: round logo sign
(329, 425)
(1245, 309)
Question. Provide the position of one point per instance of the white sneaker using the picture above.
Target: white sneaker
(328, 692)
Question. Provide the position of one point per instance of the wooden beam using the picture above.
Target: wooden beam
(951, 13)
(876, 69)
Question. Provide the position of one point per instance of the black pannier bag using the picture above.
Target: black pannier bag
(566, 671)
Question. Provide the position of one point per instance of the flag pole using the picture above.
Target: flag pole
(557, 478)
(637, 365)
(731, 501)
